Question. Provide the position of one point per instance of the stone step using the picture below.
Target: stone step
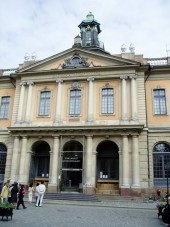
(117, 198)
(73, 196)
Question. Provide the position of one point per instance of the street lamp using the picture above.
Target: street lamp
(167, 177)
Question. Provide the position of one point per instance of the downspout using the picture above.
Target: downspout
(149, 186)
(11, 80)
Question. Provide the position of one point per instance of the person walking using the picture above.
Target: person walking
(36, 192)
(4, 193)
(20, 198)
(14, 192)
(30, 192)
(41, 190)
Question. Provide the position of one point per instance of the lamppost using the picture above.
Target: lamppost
(167, 177)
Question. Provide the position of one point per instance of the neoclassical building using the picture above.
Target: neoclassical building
(86, 120)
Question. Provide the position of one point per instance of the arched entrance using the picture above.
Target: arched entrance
(40, 162)
(72, 165)
(3, 154)
(107, 168)
(161, 164)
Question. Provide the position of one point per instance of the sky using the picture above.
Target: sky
(47, 27)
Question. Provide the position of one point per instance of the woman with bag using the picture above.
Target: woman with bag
(20, 197)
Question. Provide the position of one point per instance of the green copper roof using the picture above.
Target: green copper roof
(89, 18)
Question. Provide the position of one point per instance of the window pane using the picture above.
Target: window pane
(44, 107)
(4, 108)
(75, 102)
(159, 101)
(107, 101)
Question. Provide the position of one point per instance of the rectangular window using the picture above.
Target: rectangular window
(107, 101)
(159, 101)
(44, 107)
(4, 108)
(75, 102)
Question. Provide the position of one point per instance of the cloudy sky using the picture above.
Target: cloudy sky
(47, 27)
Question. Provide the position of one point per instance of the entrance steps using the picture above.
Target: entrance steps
(75, 196)
(72, 196)
(117, 198)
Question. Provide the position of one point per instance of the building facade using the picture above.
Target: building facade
(85, 120)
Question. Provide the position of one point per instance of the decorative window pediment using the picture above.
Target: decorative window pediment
(76, 62)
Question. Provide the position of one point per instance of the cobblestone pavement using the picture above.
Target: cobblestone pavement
(79, 214)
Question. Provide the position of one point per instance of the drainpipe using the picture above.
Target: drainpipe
(11, 80)
(149, 186)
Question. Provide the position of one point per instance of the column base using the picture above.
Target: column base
(53, 188)
(130, 192)
(88, 189)
(135, 186)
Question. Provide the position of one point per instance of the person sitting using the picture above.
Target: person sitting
(166, 212)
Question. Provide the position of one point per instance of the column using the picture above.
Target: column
(29, 101)
(27, 166)
(58, 100)
(124, 98)
(133, 98)
(14, 164)
(22, 160)
(93, 173)
(125, 163)
(54, 161)
(88, 160)
(135, 162)
(21, 102)
(90, 113)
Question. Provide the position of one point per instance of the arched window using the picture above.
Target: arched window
(3, 154)
(161, 163)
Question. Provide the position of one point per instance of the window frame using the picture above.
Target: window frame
(69, 102)
(101, 101)
(159, 98)
(159, 162)
(49, 110)
(8, 112)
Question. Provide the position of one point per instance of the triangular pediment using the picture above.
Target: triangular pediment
(77, 58)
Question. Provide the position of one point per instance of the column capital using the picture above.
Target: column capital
(132, 76)
(30, 83)
(123, 77)
(91, 78)
(135, 135)
(23, 83)
(89, 136)
(59, 81)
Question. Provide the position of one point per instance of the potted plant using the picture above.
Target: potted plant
(6, 210)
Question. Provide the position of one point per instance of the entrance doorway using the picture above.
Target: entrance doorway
(72, 162)
(107, 168)
(40, 162)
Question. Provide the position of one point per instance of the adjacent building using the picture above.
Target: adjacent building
(86, 120)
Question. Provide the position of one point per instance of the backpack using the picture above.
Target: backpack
(23, 191)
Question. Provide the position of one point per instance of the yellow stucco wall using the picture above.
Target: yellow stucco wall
(157, 119)
(7, 92)
(65, 98)
(111, 84)
(36, 97)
